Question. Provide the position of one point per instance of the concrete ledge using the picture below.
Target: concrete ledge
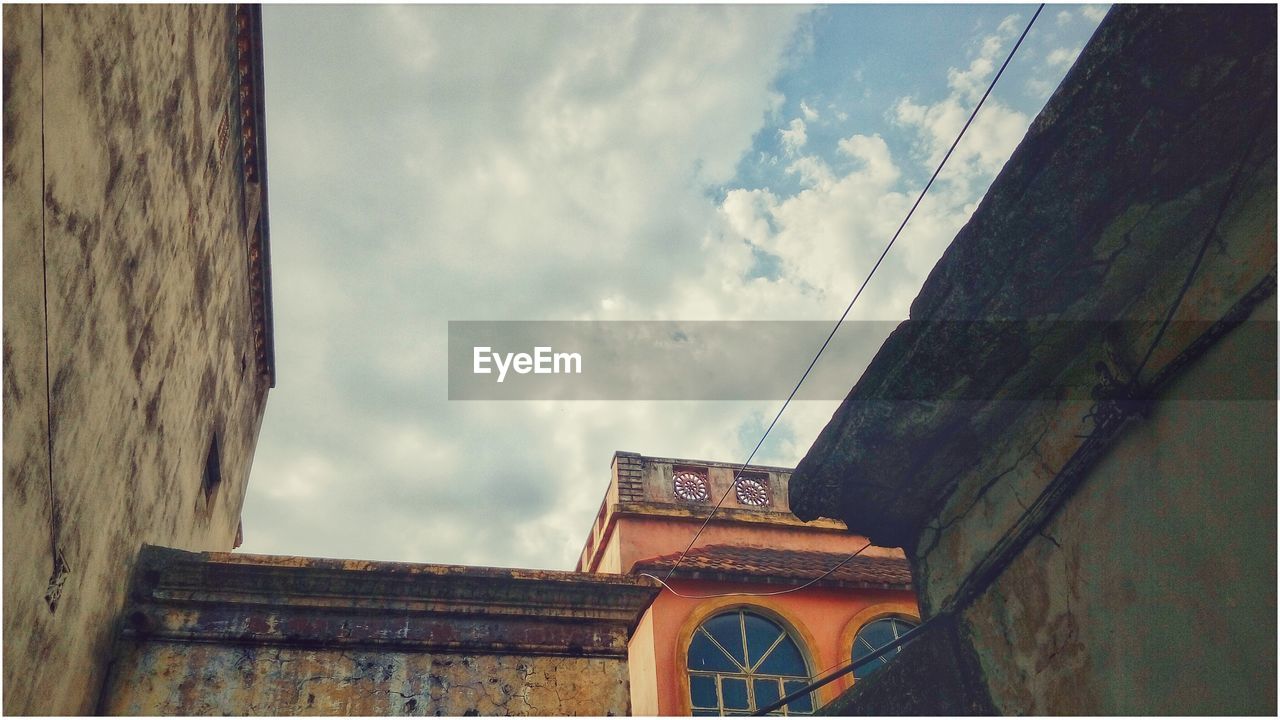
(224, 597)
(724, 515)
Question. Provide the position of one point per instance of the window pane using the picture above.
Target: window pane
(803, 704)
(784, 660)
(767, 692)
(704, 655)
(736, 688)
(761, 634)
(698, 713)
(727, 630)
(869, 668)
(876, 634)
(734, 692)
(702, 691)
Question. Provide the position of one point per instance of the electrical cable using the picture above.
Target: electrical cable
(865, 660)
(1134, 385)
(953, 604)
(849, 307)
(1195, 266)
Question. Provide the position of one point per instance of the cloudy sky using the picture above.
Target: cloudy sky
(442, 163)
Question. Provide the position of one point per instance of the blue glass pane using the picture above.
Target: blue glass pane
(802, 704)
(704, 655)
(767, 693)
(760, 636)
(702, 691)
(871, 667)
(727, 630)
(784, 660)
(699, 713)
(873, 636)
(734, 692)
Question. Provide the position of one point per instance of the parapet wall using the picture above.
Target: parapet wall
(223, 634)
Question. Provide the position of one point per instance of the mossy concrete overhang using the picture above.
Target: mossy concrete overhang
(1074, 256)
(280, 600)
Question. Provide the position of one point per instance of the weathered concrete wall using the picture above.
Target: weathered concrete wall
(215, 633)
(935, 674)
(196, 679)
(129, 330)
(1153, 591)
(1107, 543)
(643, 666)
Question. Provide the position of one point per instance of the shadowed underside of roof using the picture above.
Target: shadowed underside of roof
(772, 566)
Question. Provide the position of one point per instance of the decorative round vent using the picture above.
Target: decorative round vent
(751, 491)
(691, 487)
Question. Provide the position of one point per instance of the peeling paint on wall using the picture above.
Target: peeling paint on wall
(129, 328)
(216, 633)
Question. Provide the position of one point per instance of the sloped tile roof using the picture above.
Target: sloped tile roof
(769, 565)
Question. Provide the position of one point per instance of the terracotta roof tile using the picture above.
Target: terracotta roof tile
(728, 562)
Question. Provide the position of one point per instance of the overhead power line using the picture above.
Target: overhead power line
(738, 475)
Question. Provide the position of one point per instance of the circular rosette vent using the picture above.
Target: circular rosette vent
(691, 487)
(752, 492)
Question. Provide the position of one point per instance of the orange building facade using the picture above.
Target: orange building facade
(760, 603)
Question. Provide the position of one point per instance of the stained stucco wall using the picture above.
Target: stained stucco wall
(198, 679)
(1152, 588)
(221, 633)
(644, 669)
(823, 622)
(1084, 477)
(641, 517)
(1153, 592)
(126, 242)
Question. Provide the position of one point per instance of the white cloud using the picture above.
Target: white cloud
(826, 236)
(1062, 57)
(993, 134)
(468, 164)
(1094, 12)
(482, 162)
(793, 137)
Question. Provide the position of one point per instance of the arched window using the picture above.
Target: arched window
(740, 661)
(874, 635)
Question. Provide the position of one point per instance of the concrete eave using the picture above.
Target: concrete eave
(1074, 256)
(724, 515)
(747, 578)
(231, 597)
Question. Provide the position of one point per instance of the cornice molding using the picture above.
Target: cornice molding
(253, 162)
(221, 597)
